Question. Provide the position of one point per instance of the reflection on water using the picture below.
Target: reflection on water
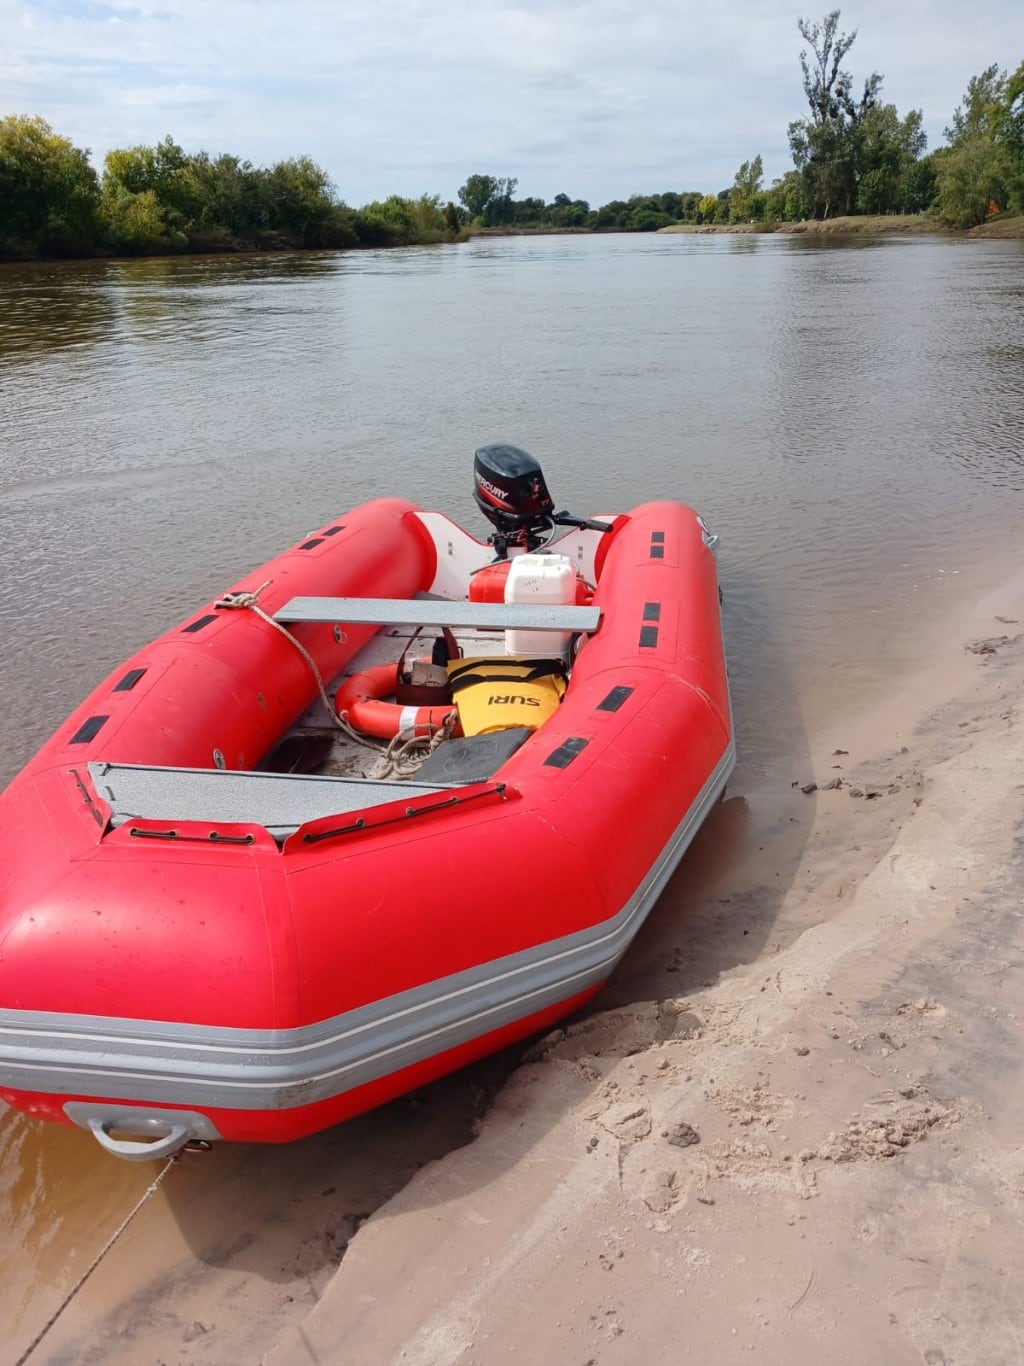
(848, 414)
(47, 308)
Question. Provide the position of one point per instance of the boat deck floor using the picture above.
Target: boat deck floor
(315, 745)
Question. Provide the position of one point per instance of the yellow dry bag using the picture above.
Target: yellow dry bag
(498, 691)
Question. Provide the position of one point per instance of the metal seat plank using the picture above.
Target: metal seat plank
(440, 612)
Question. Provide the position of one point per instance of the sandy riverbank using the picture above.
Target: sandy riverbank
(813, 1155)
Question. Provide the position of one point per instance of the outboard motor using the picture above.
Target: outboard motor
(509, 488)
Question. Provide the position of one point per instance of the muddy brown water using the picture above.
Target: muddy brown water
(849, 417)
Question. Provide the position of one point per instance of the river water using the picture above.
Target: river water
(848, 416)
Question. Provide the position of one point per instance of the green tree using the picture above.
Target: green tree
(918, 186)
(396, 221)
(1011, 135)
(976, 169)
(135, 223)
(146, 168)
(489, 199)
(890, 146)
(302, 201)
(501, 208)
(166, 171)
(646, 219)
(826, 147)
(971, 177)
(528, 210)
(149, 198)
(784, 201)
(982, 109)
(220, 202)
(746, 189)
(429, 220)
(564, 212)
(49, 194)
(477, 193)
(612, 215)
(385, 222)
(453, 218)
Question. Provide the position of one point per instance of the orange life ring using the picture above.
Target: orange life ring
(358, 701)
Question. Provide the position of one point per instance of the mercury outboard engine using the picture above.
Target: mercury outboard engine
(509, 488)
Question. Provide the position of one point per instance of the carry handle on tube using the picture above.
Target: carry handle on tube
(141, 1150)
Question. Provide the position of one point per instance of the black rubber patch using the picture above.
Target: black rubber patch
(129, 681)
(657, 538)
(652, 611)
(309, 545)
(88, 730)
(657, 552)
(615, 699)
(333, 530)
(648, 637)
(563, 756)
(198, 624)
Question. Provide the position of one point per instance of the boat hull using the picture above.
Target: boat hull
(228, 980)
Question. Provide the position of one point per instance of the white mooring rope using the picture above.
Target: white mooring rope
(400, 756)
(150, 1190)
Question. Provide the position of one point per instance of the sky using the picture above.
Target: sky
(596, 99)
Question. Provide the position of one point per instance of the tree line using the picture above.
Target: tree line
(156, 200)
(852, 154)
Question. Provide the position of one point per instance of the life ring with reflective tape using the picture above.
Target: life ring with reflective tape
(359, 701)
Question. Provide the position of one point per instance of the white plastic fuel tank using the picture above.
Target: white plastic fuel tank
(541, 580)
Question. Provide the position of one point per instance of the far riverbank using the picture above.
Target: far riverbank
(866, 225)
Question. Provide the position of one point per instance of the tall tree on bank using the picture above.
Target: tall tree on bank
(49, 194)
(477, 193)
(489, 199)
(1011, 134)
(983, 166)
(827, 146)
(892, 177)
(746, 199)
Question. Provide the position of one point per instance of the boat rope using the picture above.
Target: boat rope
(250, 600)
(402, 756)
(153, 1187)
(406, 755)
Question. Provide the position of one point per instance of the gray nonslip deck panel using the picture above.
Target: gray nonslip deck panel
(496, 616)
(279, 801)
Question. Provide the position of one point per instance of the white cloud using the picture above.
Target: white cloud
(597, 98)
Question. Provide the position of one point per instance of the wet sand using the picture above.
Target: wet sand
(790, 1127)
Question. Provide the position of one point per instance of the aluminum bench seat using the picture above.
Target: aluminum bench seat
(441, 612)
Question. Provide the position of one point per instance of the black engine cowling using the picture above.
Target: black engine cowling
(509, 488)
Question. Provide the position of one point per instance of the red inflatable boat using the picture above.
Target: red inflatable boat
(399, 798)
